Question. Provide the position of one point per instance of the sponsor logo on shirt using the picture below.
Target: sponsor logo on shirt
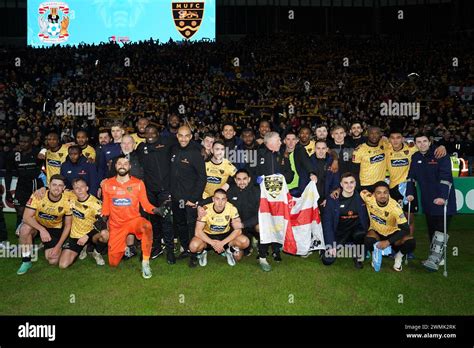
(377, 158)
(48, 217)
(54, 163)
(121, 202)
(400, 162)
(378, 219)
(217, 229)
(78, 214)
(213, 180)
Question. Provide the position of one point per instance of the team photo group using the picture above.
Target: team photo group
(251, 195)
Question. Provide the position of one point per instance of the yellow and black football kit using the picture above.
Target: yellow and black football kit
(218, 223)
(384, 220)
(84, 215)
(398, 163)
(48, 213)
(53, 160)
(89, 152)
(217, 175)
(138, 139)
(372, 163)
(51, 215)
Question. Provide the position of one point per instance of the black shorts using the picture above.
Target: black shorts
(55, 234)
(354, 235)
(24, 191)
(71, 244)
(221, 236)
(396, 195)
(381, 237)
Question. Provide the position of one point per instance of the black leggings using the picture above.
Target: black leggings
(436, 223)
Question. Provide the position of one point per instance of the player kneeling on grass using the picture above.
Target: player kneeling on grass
(51, 217)
(388, 227)
(122, 197)
(87, 225)
(213, 230)
(345, 222)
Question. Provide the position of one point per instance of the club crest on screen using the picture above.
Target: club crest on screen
(187, 17)
(53, 22)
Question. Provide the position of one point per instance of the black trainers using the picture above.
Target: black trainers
(170, 258)
(276, 256)
(193, 261)
(130, 252)
(184, 255)
(358, 264)
(156, 251)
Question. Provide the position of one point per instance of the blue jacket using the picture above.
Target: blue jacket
(82, 169)
(331, 181)
(107, 154)
(331, 217)
(434, 177)
(166, 133)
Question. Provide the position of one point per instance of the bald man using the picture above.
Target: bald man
(187, 182)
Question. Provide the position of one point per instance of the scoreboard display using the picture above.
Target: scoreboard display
(73, 22)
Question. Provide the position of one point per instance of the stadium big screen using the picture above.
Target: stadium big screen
(94, 21)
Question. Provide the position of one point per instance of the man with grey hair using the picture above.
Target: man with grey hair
(270, 161)
(127, 147)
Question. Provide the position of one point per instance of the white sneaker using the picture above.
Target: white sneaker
(264, 265)
(98, 258)
(202, 257)
(83, 253)
(146, 270)
(397, 265)
(230, 257)
(236, 251)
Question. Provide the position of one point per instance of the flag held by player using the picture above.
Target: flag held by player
(293, 222)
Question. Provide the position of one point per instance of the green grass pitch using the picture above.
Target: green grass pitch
(296, 286)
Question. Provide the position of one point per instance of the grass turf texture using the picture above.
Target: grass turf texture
(296, 286)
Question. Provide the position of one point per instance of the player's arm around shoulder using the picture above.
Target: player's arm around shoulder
(365, 194)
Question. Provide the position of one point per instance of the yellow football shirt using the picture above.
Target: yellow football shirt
(54, 160)
(48, 213)
(310, 147)
(372, 163)
(138, 139)
(84, 215)
(89, 152)
(219, 223)
(217, 175)
(384, 220)
(398, 163)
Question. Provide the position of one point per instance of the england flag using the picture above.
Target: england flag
(293, 222)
